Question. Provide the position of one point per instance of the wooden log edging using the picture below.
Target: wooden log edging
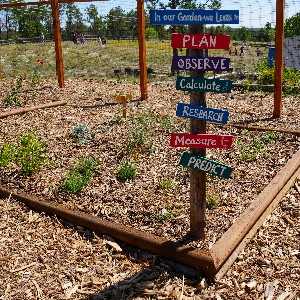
(201, 260)
(251, 219)
(30, 108)
(250, 235)
(214, 263)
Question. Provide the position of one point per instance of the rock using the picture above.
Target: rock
(250, 286)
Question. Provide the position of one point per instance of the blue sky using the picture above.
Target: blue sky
(253, 13)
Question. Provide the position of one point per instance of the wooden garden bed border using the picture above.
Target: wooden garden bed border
(23, 110)
(223, 253)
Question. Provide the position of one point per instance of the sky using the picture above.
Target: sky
(253, 13)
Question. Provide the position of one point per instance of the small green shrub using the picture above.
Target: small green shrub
(138, 136)
(166, 122)
(7, 155)
(12, 97)
(127, 170)
(30, 153)
(258, 147)
(246, 85)
(211, 201)
(79, 177)
(81, 133)
(269, 137)
(164, 214)
(165, 184)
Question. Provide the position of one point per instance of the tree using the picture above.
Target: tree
(291, 26)
(244, 34)
(132, 23)
(74, 20)
(151, 33)
(96, 21)
(117, 25)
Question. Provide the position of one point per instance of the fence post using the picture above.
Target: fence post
(279, 37)
(58, 48)
(142, 49)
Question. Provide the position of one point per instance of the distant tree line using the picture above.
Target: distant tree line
(30, 21)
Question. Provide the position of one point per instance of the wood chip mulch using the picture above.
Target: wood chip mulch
(42, 257)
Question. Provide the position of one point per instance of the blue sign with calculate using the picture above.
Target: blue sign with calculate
(193, 16)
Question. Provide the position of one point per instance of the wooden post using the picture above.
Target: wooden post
(58, 48)
(142, 49)
(197, 178)
(279, 37)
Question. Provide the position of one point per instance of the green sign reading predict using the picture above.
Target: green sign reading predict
(205, 165)
(201, 84)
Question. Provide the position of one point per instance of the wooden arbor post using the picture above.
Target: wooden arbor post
(142, 49)
(279, 37)
(197, 178)
(57, 40)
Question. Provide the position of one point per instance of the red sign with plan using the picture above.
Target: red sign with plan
(200, 41)
(201, 140)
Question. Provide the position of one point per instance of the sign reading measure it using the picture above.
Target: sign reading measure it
(200, 41)
(202, 113)
(201, 140)
(193, 16)
(205, 165)
(201, 84)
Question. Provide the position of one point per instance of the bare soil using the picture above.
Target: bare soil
(46, 258)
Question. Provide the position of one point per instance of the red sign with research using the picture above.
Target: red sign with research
(200, 41)
(201, 140)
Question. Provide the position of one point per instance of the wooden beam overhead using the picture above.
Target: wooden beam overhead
(6, 5)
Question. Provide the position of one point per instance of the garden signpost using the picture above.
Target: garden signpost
(198, 140)
(123, 99)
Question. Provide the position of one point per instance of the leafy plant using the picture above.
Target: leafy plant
(211, 201)
(81, 133)
(257, 148)
(165, 213)
(7, 155)
(166, 122)
(138, 140)
(165, 184)
(127, 170)
(269, 137)
(30, 153)
(79, 177)
(36, 75)
(12, 97)
(246, 85)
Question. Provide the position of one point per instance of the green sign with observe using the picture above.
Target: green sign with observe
(205, 165)
(202, 84)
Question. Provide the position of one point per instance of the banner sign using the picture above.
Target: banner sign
(203, 113)
(200, 63)
(201, 84)
(205, 165)
(200, 41)
(201, 140)
(193, 16)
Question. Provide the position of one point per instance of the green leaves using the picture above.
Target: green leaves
(12, 97)
(28, 153)
(79, 177)
(127, 170)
